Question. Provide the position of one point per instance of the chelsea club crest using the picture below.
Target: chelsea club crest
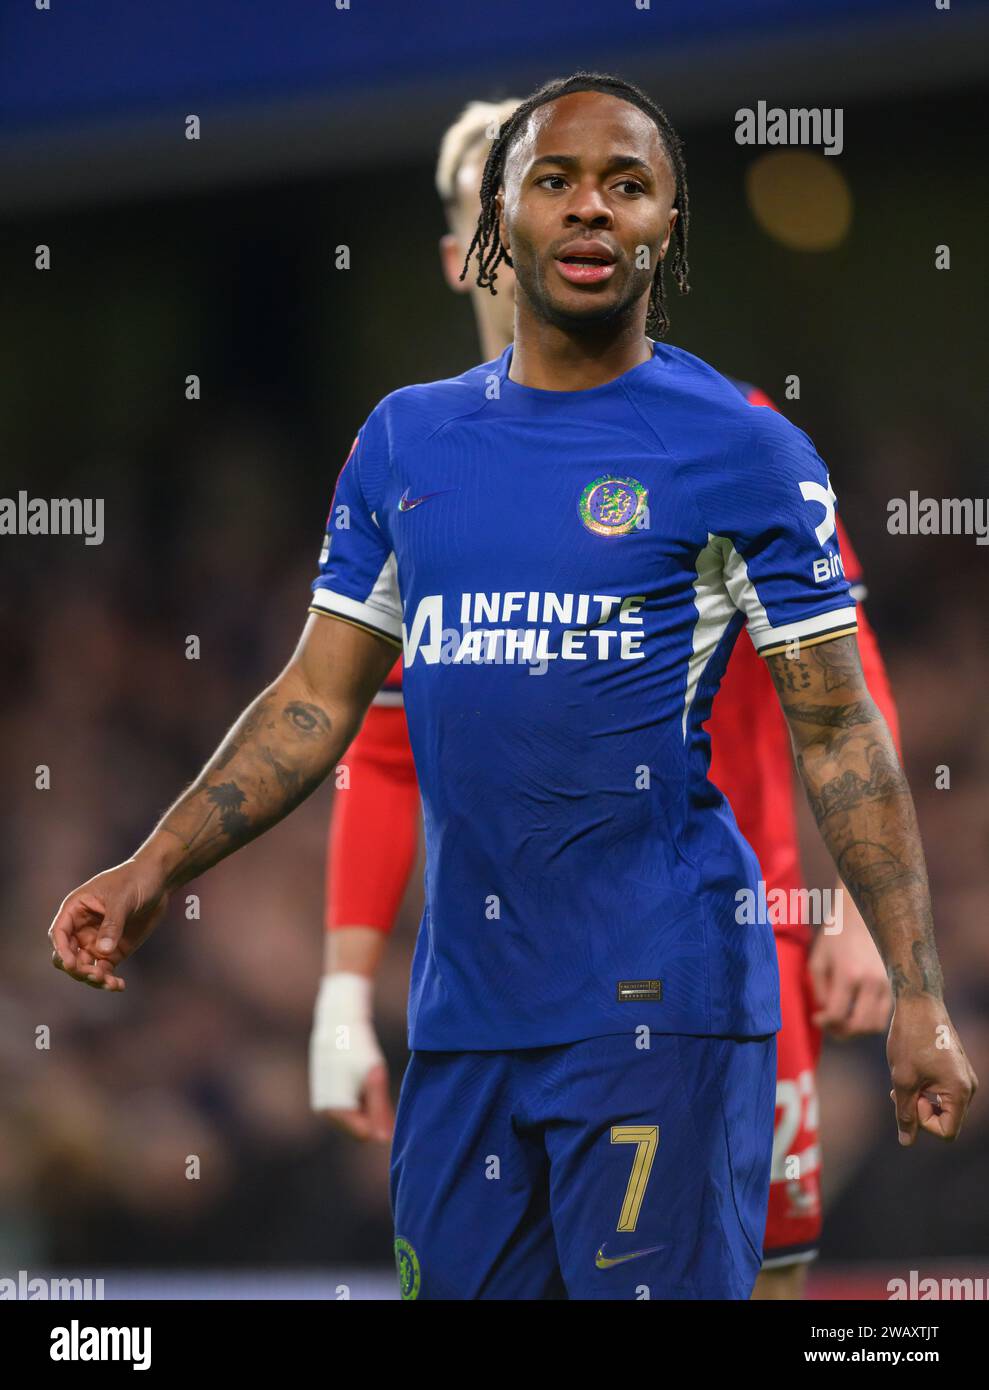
(612, 506)
(409, 1273)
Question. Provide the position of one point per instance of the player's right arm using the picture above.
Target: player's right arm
(279, 750)
(272, 758)
(281, 747)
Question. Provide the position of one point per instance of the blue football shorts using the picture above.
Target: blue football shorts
(629, 1166)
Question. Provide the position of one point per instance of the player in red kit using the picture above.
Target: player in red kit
(834, 981)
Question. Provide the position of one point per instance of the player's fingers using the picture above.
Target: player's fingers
(85, 976)
(95, 972)
(99, 919)
(377, 1103)
(97, 967)
(71, 971)
(905, 1102)
(87, 971)
(110, 930)
(61, 934)
(101, 973)
(936, 1115)
(833, 1015)
(79, 911)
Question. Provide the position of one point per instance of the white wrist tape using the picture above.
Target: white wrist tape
(343, 1046)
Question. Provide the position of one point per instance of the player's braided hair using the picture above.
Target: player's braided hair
(487, 241)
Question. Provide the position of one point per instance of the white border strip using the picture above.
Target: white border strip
(715, 611)
(808, 627)
(368, 615)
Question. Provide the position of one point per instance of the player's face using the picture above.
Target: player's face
(587, 208)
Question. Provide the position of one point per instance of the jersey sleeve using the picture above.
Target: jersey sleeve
(853, 566)
(357, 578)
(774, 512)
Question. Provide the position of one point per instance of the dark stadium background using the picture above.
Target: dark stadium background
(216, 257)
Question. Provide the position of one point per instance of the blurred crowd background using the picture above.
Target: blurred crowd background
(172, 257)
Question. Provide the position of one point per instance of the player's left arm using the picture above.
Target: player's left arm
(847, 973)
(847, 760)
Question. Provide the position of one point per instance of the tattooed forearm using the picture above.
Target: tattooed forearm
(894, 891)
(254, 719)
(873, 868)
(850, 788)
(926, 960)
(273, 758)
(287, 777)
(862, 805)
(832, 716)
(308, 721)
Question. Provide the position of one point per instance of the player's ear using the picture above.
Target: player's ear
(674, 214)
(502, 226)
(452, 257)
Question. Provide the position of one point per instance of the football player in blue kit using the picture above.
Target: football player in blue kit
(566, 542)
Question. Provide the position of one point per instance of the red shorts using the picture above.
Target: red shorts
(374, 828)
(793, 1225)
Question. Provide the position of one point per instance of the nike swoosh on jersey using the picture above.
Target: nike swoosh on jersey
(604, 1261)
(406, 503)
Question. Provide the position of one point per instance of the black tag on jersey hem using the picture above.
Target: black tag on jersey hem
(640, 991)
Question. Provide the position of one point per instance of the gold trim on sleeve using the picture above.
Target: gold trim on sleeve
(813, 641)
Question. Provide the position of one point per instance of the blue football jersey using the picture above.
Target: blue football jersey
(566, 573)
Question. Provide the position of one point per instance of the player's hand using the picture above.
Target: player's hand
(348, 1078)
(104, 921)
(849, 979)
(933, 1081)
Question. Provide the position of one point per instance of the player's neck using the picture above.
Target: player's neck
(551, 358)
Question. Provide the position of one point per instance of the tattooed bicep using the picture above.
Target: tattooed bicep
(818, 673)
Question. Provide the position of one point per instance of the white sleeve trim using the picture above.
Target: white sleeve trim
(715, 611)
(381, 610)
(833, 623)
(764, 635)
